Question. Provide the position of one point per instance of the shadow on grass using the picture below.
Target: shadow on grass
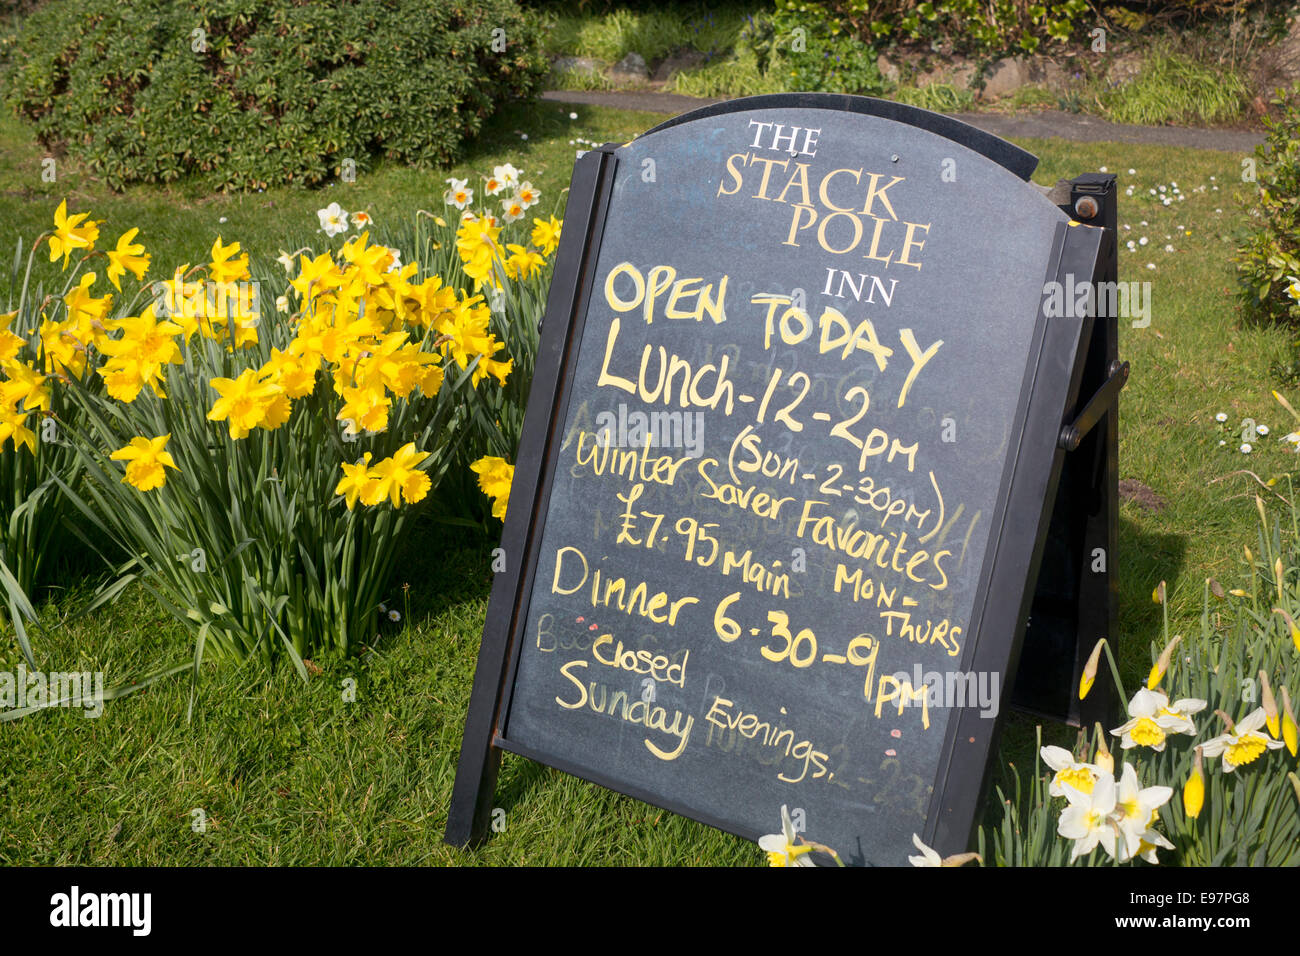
(1145, 559)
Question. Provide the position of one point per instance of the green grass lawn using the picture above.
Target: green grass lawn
(291, 774)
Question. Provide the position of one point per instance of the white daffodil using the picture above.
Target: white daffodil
(333, 219)
(458, 195)
(1293, 287)
(397, 259)
(1087, 820)
(1135, 810)
(1069, 772)
(929, 857)
(286, 260)
(1243, 743)
(512, 210)
(781, 847)
(528, 195)
(507, 174)
(1177, 717)
(1150, 841)
(1146, 727)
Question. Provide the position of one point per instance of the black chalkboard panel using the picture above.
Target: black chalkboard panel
(786, 473)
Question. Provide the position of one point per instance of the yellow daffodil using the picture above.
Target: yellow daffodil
(10, 343)
(356, 481)
(495, 476)
(1194, 789)
(70, 233)
(546, 234)
(82, 306)
(22, 383)
(243, 402)
(1069, 772)
(398, 478)
(223, 268)
(127, 256)
(523, 262)
(784, 849)
(146, 462)
(1243, 743)
(12, 427)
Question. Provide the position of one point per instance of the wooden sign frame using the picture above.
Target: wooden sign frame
(1027, 493)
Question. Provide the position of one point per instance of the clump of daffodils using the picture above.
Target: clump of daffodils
(486, 257)
(1117, 815)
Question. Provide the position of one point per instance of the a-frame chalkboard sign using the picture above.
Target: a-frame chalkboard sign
(808, 375)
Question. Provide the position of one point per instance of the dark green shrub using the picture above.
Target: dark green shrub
(246, 93)
(1269, 261)
(975, 26)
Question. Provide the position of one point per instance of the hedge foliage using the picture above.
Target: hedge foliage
(247, 93)
(1268, 263)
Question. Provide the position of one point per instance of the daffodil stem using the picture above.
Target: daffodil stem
(1114, 667)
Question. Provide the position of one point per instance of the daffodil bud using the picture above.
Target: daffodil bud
(1270, 707)
(1158, 595)
(1285, 404)
(1295, 782)
(1162, 665)
(1232, 727)
(1194, 789)
(1250, 557)
(1259, 506)
(1290, 731)
(1295, 631)
(1104, 760)
(1237, 592)
(1090, 670)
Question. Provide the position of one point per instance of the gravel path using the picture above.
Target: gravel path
(1047, 124)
